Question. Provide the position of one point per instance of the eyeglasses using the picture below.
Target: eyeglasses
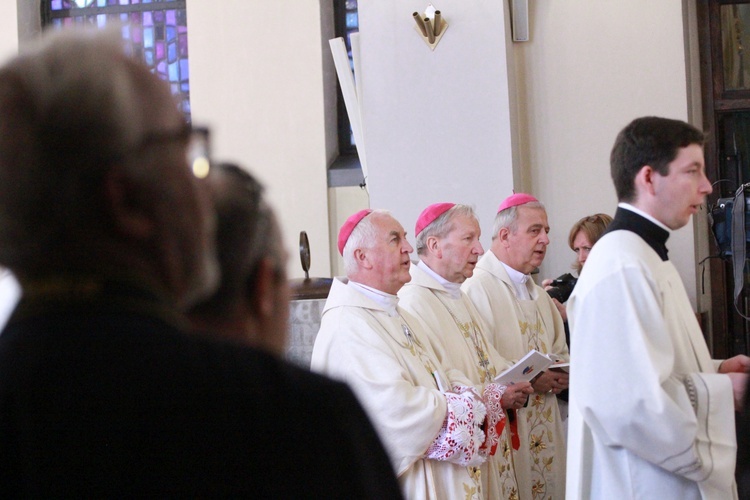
(199, 146)
(199, 152)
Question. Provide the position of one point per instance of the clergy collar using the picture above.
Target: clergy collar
(643, 214)
(653, 232)
(516, 276)
(519, 281)
(385, 300)
(453, 289)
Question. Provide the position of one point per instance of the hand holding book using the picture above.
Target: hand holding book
(529, 367)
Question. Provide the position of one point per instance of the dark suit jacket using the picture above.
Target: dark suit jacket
(104, 394)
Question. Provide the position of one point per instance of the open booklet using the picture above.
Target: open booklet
(529, 367)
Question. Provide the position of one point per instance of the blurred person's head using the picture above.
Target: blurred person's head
(375, 250)
(657, 165)
(448, 240)
(94, 176)
(519, 235)
(251, 304)
(584, 234)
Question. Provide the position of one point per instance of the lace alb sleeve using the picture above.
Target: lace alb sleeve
(492, 396)
(461, 436)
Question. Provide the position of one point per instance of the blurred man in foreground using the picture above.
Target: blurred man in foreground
(251, 304)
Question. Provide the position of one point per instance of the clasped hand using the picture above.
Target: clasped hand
(515, 395)
(737, 368)
(551, 381)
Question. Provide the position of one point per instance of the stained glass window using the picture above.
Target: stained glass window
(346, 23)
(156, 31)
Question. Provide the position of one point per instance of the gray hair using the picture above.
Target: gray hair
(509, 218)
(362, 236)
(69, 109)
(443, 225)
(247, 232)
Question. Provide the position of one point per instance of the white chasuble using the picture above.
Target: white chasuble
(515, 327)
(457, 332)
(391, 366)
(649, 415)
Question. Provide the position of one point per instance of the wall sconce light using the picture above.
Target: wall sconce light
(431, 26)
(519, 20)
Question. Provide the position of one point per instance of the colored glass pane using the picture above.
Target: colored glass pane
(172, 53)
(352, 20)
(174, 73)
(351, 24)
(148, 37)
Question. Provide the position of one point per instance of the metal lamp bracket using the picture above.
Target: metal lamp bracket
(430, 26)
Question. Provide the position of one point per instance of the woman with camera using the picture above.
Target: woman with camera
(583, 235)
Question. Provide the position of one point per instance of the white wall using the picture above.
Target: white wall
(589, 69)
(343, 202)
(8, 29)
(437, 123)
(258, 79)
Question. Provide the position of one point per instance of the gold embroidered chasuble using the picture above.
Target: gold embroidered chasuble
(457, 331)
(395, 379)
(515, 327)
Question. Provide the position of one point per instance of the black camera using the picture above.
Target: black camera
(562, 287)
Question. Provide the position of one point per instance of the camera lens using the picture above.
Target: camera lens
(562, 287)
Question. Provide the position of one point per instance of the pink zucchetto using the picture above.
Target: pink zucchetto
(429, 215)
(348, 226)
(514, 200)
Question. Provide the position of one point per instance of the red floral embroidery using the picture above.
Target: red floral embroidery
(492, 395)
(461, 436)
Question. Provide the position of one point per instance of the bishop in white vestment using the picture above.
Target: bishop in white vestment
(521, 316)
(448, 245)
